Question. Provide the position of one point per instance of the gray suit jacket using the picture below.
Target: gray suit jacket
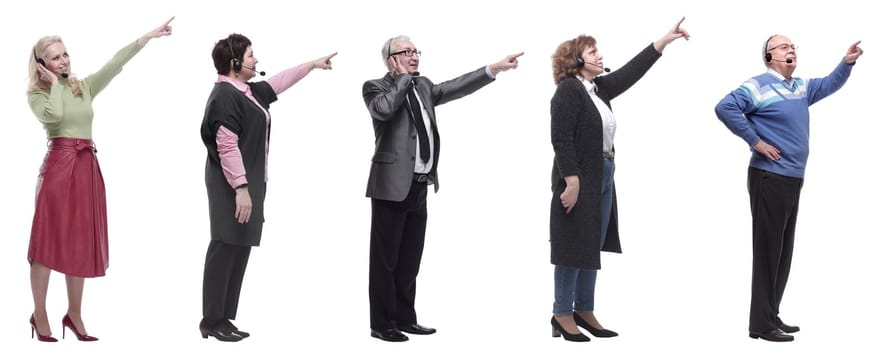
(391, 172)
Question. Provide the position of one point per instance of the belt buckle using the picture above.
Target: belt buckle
(422, 178)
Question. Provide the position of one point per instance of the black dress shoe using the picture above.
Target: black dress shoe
(597, 333)
(214, 328)
(231, 328)
(774, 335)
(390, 334)
(786, 328)
(416, 329)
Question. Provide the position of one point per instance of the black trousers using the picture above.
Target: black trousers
(397, 238)
(774, 207)
(222, 278)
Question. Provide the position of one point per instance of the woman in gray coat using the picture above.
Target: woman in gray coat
(583, 222)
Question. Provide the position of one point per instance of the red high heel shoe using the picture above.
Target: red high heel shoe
(40, 337)
(66, 323)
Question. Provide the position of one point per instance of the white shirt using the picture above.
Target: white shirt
(608, 120)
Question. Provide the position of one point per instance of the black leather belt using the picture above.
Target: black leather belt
(421, 178)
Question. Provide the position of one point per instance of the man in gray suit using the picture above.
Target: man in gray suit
(405, 162)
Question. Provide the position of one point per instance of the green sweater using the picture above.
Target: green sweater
(63, 114)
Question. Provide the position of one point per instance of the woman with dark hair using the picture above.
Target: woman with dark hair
(235, 130)
(583, 223)
(69, 233)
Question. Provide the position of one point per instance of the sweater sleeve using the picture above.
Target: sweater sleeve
(97, 81)
(732, 110)
(48, 108)
(819, 88)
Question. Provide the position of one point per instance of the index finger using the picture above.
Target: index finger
(169, 20)
(679, 22)
(331, 56)
(517, 55)
(855, 44)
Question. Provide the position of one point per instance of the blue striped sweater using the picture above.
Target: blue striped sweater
(776, 110)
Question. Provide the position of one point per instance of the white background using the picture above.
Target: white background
(486, 281)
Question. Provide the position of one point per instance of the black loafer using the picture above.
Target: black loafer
(774, 335)
(389, 335)
(417, 329)
(786, 328)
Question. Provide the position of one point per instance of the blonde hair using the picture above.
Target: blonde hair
(34, 82)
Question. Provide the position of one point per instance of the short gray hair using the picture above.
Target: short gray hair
(386, 49)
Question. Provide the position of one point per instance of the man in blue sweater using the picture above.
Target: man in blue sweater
(771, 113)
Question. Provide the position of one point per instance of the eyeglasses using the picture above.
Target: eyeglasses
(408, 53)
(783, 47)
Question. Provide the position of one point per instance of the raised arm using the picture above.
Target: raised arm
(673, 34)
(509, 62)
(284, 80)
(100, 79)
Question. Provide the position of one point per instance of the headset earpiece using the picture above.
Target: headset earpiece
(580, 62)
(38, 59)
(236, 64)
(767, 56)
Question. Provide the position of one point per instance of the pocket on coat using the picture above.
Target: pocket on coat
(384, 157)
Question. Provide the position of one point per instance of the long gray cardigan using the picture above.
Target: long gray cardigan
(576, 135)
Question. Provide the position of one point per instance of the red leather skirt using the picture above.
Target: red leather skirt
(70, 229)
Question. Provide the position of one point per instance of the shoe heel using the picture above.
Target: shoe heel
(204, 334)
(63, 331)
(555, 333)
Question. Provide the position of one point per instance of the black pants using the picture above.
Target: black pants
(397, 238)
(222, 279)
(774, 207)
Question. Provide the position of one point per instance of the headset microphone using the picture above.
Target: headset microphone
(787, 60)
(260, 72)
(604, 68)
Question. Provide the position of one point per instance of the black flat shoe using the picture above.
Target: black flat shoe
(597, 333)
(231, 328)
(417, 329)
(389, 335)
(774, 335)
(215, 329)
(557, 330)
(786, 328)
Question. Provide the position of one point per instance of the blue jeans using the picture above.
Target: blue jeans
(574, 287)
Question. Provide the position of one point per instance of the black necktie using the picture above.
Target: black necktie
(419, 123)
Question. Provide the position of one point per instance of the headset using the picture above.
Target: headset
(237, 65)
(580, 62)
(767, 56)
(38, 59)
(389, 46)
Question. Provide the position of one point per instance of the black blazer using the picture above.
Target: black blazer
(391, 172)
